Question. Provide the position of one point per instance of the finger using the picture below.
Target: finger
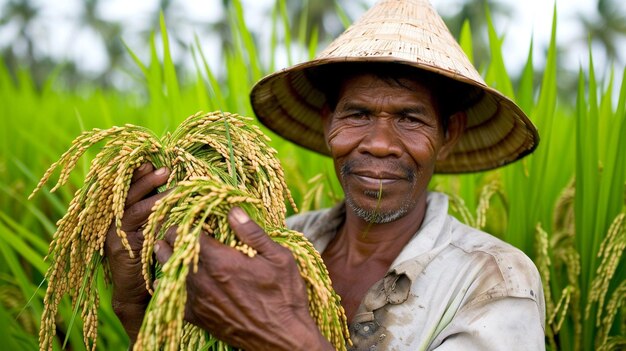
(251, 233)
(141, 171)
(162, 251)
(146, 184)
(137, 215)
(113, 243)
(170, 235)
(221, 261)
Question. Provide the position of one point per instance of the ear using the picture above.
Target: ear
(456, 127)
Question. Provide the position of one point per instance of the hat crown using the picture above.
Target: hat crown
(407, 30)
(411, 33)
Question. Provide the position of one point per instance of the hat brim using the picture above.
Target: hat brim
(498, 132)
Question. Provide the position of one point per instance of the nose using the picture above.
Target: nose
(381, 140)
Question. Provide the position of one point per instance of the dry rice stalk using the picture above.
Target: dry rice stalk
(201, 204)
(219, 146)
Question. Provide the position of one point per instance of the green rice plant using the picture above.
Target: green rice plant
(558, 205)
(564, 204)
(220, 147)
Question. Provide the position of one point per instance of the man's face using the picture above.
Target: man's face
(384, 138)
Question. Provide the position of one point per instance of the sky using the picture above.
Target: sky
(60, 35)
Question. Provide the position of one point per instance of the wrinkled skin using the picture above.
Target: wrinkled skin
(385, 138)
(255, 303)
(130, 297)
(380, 135)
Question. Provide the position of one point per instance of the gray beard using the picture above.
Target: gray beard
(376, 216)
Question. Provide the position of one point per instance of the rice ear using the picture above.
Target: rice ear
(219, 154)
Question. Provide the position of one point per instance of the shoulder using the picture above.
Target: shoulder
(318, 226)
(301, 221)
(518, 271)
(517, 274)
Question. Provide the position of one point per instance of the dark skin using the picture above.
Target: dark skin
(391, 136)
(130, 296)
(381, 135)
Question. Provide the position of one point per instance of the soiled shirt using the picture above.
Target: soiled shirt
(452, 287)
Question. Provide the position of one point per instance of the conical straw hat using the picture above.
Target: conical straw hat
(407, 32)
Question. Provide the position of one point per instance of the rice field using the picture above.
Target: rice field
(565, 205)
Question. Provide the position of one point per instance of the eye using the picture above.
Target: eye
(355, 116)
(359, 115)
(409, 120)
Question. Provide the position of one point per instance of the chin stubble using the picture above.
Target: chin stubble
(376, 216)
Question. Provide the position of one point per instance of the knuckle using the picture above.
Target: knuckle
(285, 258)
(170, 235)
(135, 215)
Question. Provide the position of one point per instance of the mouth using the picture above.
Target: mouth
(376, 180)
(373, 174)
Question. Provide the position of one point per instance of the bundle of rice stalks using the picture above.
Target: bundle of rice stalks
(217, 161)
(202, 205)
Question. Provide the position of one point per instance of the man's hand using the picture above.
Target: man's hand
(130, 297)
(257, 303)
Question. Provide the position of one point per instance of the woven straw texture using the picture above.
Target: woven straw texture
(407, 32)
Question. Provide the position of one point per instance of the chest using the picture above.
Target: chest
(352, 282)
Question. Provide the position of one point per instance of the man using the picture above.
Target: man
(393, 100)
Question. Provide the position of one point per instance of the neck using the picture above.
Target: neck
(359, 241)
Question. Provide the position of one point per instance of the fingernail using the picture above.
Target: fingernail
(143, 166)
(156, 248)
(240, 216)
(160, 171)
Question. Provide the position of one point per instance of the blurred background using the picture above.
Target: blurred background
(85, 40)
(69, 66)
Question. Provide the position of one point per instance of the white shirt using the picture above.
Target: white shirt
(452, 287)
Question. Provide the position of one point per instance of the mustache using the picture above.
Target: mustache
(407, 172)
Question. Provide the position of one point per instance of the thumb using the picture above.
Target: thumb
(251, 233)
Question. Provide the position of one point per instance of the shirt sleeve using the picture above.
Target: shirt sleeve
(506, 323)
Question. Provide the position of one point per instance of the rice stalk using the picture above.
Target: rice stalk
(610, 252)
(615, 304)
(315, 193)
(457, 204)
(221, 147)
(566, 258)
(543, 263)
(202, 205)
(484, 199)
(11, 298)
(561, 308)
(478, 220)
